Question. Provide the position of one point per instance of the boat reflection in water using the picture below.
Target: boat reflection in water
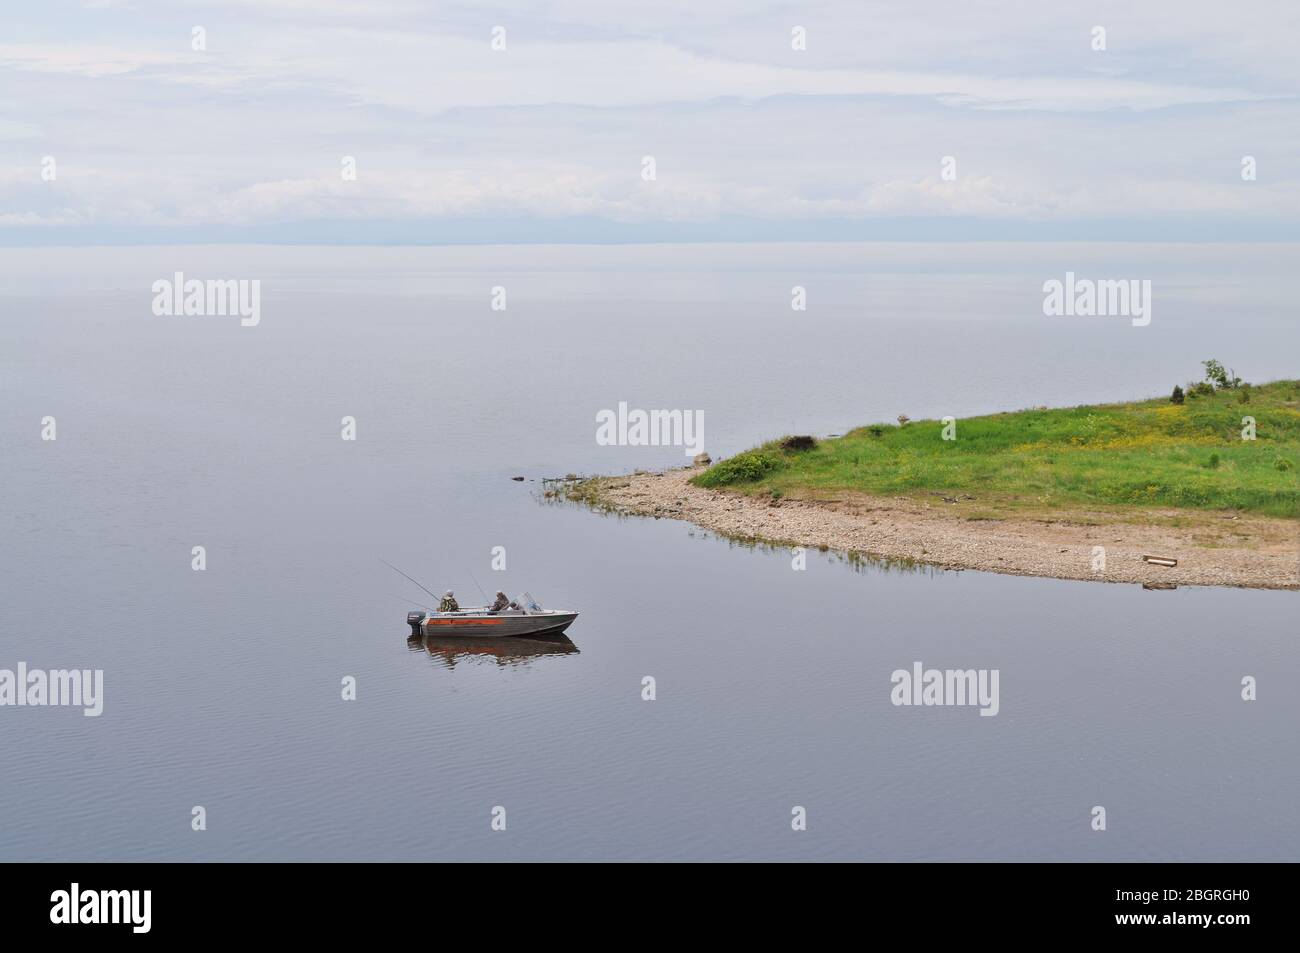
(505, 652)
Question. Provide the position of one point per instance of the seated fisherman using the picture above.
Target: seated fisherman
(500, 602)
(449, 603)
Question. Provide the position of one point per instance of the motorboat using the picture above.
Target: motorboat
(523, 619)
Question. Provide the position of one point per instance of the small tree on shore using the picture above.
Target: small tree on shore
(1177, 396)
(1220, 377)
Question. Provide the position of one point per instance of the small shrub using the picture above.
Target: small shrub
(1213, 462)
(1177, 396)
(1282, 463)
(742, 468)
(798, 443)
(876, 431)
(1243, 395)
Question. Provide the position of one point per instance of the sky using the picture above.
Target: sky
(542, 135)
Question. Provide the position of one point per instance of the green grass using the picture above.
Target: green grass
(1142, 455)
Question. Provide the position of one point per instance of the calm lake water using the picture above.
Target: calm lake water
(222, 687)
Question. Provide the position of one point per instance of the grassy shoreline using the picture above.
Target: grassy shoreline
(1123, 457)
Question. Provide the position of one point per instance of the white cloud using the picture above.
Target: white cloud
(93, 61)
(147, 131)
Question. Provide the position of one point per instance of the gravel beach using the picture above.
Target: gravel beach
(1212, 549)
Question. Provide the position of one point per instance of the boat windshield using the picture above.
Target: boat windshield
(528, 602)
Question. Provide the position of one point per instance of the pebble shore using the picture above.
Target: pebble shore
(1212, 549)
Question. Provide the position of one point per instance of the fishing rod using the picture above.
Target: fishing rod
(394, 595)
(486, 600)
(416, 581)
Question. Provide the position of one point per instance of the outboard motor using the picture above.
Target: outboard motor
(413, 619)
